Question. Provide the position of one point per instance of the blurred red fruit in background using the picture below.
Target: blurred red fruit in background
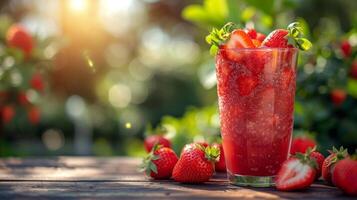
(22, 98)
(34, 115)
(346, 48)
(37, 82)
(338, 96)
(353, 71)
(151, 140)
(301, 144)
(18, 37)
(7, 114)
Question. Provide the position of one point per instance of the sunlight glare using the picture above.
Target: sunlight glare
(78, 5)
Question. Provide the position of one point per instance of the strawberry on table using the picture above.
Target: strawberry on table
(220, 165)
(327, 166)
(196, 164)
(296, 173)
(344, 175)
(159, 163)
(319, 158)
(151, 140)
(301, 144)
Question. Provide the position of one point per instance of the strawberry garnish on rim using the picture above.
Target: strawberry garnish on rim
(297, 172)
(285, 38)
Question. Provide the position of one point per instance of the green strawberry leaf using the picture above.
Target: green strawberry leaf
(219, 36)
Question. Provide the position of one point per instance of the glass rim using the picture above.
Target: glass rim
(261, 49)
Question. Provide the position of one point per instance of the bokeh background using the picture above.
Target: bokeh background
(103, 74)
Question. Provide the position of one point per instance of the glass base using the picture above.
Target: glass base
(253, 181)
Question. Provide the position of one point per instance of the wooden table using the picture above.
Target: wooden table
(117, 178)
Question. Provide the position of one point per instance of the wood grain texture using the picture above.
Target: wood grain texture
(117, 178)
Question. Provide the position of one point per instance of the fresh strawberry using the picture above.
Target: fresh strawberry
(301, 144)
(319, 158)
(353, 71)
(239, 39)
(331, 160)
(151, 140)
(260, 37)
(296, 173)
(196, 164)
(37, 82)
(344, 175)
(277, 38)
(7, 113)
(220, 165)
(346, 48)
(159, 163)
(287, 38)
(256, 42)
(251, 32)
(18, 37)
(246, 84)
(34, 115)
(338, 96)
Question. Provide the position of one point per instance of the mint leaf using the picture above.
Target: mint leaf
(219, 36)
(295, 37)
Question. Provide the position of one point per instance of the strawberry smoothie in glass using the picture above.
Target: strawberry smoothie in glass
(256, 90)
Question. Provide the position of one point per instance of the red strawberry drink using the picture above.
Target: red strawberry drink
(256, 90)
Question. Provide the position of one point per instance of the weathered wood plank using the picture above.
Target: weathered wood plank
(71, 168)
(117, 178)
(154, 190)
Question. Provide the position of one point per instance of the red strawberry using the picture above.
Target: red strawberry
(331, 160)
(277, 38)
(37, 82)
(256, 42)
(260, 37)
(7, 114)
(319, 158)
(301, 144)
(151, 140)
(159, 163)
(346, 48)
(18, 37)
(338, 96)
(220, 165)
(246, 84)
(344, 175)
(354, 69)
(238, 39)
(296, 173)
(22, 98)
(196, 164)
(34, 115)
(251, 32)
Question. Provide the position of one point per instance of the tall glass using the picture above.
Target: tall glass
(256, 90)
